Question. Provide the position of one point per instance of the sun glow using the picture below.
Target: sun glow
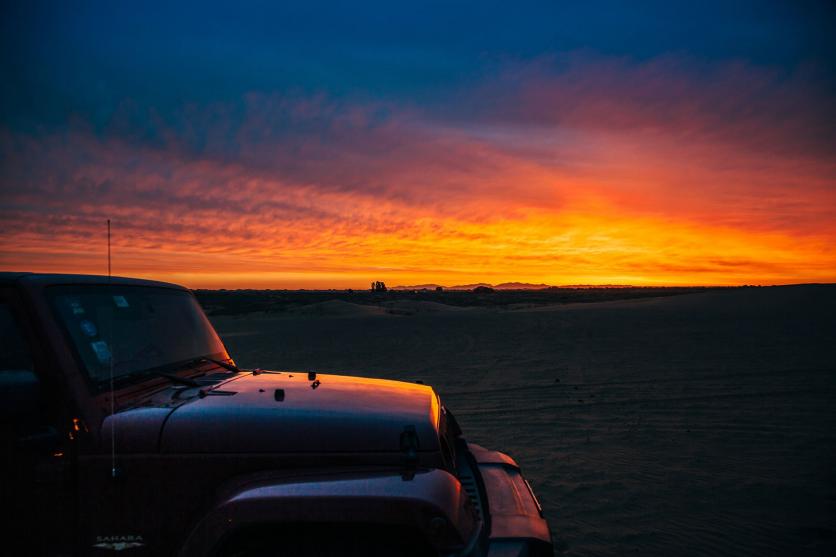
(590, 246)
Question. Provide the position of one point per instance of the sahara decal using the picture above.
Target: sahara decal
(118, 543)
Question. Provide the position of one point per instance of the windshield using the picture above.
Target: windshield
(142, 329)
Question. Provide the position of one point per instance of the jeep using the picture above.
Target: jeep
(129, 429)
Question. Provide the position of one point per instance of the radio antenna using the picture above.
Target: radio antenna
(112, 402)
(108, 250)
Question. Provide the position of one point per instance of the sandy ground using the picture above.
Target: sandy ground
(702, 424)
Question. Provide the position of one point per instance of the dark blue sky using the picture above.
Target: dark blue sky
(62, 61)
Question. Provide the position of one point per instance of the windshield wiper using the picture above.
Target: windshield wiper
(225, 365)
(188, 381)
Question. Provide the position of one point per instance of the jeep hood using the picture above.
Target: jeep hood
(286, 412)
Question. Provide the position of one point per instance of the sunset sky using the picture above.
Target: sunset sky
(329, 145)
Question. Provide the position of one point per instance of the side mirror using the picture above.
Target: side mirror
(20, 394)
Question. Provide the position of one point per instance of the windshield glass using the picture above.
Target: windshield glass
(142, 329)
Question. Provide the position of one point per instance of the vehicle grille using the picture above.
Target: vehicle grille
(469, 484)
(467, 478)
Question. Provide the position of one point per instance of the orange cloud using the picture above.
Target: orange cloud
(603, 191)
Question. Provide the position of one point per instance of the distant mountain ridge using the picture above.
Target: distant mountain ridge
(521, 286)
(502, 286)
(469, 286)
(418, 287)
(506, 286)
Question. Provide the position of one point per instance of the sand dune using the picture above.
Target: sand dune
(336, 308)
(411, 307)
(702, 424)
(341, 308)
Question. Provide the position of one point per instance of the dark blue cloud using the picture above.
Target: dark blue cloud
(87, 60)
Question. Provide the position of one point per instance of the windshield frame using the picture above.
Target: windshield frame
(137, 378)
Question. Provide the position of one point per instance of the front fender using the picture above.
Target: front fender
(518, 526)
(432, 502)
